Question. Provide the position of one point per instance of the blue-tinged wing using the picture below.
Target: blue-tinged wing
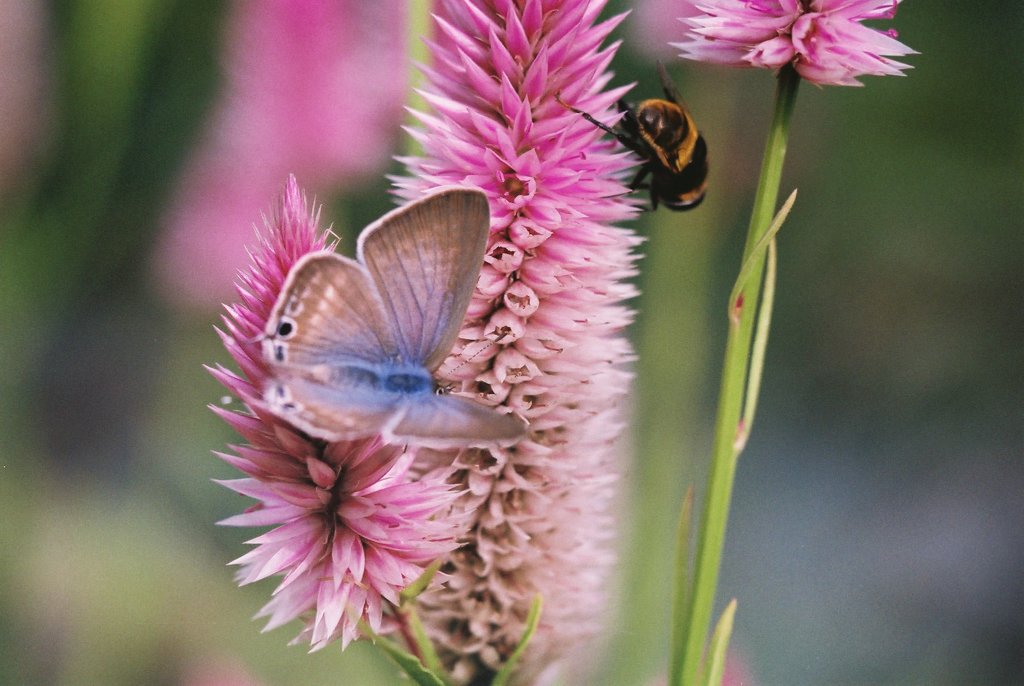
(330, 410)
(448, 421)
(425, 258)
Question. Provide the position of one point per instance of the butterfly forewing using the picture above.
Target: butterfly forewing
(329, 311)
(425, 258)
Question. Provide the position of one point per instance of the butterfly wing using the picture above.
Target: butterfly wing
(326, 341)
(448, 421)
(333, 412)
(329, 310)
(425, 258)
(348, 343)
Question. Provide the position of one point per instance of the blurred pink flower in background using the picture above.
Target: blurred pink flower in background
(823, 39)
(351, 530)
(24, 86)
(544, 331)
(218, 671)
(312, 87)
(654, 24)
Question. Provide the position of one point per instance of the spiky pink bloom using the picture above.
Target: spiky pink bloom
(351, 529)
(312, 87)
(544, 332)
(824, 40)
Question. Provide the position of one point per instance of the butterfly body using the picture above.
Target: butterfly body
(352, 344)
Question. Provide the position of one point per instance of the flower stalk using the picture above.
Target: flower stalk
(730, 427)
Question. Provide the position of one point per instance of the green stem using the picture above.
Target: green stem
(419, 26)
(734, 381)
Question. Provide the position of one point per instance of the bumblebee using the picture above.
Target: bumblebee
(663, 134)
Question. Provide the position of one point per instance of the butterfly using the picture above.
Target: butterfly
(352, 345)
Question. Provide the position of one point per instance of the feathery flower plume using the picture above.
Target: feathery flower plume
(543, 334)
(823, 39)
(351, 529)
(313, 87)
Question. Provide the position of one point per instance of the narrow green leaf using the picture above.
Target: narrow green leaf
(714, 668)
(682, 590)
(411, 591)
(760, 345)
(722, 471)
(407, 609)
(423, 642)
(409, 663)
(507, 669)
(755, 255)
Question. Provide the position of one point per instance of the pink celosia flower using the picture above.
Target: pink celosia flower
(312, 87)
(544, 332)
(823, 39)
(351, 530)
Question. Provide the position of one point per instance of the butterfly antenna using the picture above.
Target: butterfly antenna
(478, 353)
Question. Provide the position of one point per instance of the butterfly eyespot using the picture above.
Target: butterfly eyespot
(285, 328)
(279, 352)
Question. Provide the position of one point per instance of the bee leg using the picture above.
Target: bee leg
(628, 123)
(586, 115)
(641, 174)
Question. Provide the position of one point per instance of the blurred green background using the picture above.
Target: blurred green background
(877, 534)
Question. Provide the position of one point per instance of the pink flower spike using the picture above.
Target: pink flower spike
(349, 527)
(824, 40)
(544, 332)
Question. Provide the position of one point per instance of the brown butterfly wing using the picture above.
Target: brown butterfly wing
(328, 311)
(425, 258)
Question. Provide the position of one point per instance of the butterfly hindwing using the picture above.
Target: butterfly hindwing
(445, 421)
(330, 411)
(425, 258)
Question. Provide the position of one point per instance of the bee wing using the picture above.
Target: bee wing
(669, 86)
(425, 258)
